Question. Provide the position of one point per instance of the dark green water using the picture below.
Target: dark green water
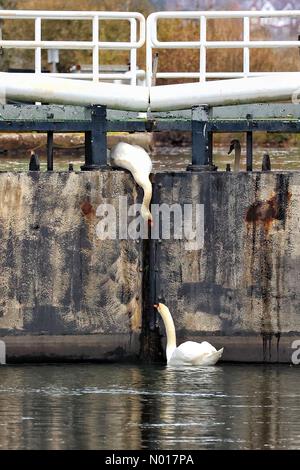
(130, 407)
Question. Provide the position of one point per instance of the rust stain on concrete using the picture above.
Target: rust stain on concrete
(270, 210)
(87, 208)
(56, 276)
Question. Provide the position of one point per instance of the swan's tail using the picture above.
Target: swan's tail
(212, 358)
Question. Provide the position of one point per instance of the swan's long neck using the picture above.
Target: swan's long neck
(147, 187)
(170, 331)
(237, 159)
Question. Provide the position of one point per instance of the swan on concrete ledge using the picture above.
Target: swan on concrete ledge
(189, 353)
(135, 159)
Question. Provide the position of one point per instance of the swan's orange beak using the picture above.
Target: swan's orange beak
(150, 222)
(156, 305)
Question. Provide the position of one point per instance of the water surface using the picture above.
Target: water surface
(164, 159)
(134, 407)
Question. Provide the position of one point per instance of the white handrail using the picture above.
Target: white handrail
(137, 37)
(54, 88)
(203, 44)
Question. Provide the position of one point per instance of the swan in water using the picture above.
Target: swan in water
(135, 159)
(188, 353)
(236, 146)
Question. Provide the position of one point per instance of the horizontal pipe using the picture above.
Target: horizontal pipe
(223, 44)
(215, 74)
(31, 87)
(27, 44)
(71, 45)
(75, 15)
(102, 76)
(223, 14)
(224, 92)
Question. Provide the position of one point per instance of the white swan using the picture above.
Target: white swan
(188, 353)
(236, 146)
(135, 159)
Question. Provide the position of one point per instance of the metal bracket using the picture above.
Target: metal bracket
(96, 141)
(201, 140)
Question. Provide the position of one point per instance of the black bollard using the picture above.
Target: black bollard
(266, 163)
(228, 167)
(34, 164)
(71, 167)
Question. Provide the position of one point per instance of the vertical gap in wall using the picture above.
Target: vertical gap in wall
(151, 348)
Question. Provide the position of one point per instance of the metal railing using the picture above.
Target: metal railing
(203, 44)
(137, 27)
(137, 39)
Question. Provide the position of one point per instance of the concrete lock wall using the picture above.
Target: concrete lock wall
(66, 295)
(241, 290)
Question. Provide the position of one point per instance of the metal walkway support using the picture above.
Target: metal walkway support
(50, 138)
(249, 154)
(95, 141)
(53, 119)
(203, 122)
(202, 140)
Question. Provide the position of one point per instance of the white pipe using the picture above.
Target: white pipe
(102, 76)
(202, 60)
(95, 49)
(246, 54)
(209, 44)
(224, 92)
(38, 50)
(68, 45)
(71, 15)
(174, 75)
(223, 14)
(133, 52)
(31, 87)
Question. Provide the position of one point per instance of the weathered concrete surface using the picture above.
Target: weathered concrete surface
(57, 278)
(103, 347)
(66, 295)
(242, 289)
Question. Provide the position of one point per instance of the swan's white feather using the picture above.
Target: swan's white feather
(191, 353)
(133, 158)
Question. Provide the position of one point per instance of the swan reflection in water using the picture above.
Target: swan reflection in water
(185, 408)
